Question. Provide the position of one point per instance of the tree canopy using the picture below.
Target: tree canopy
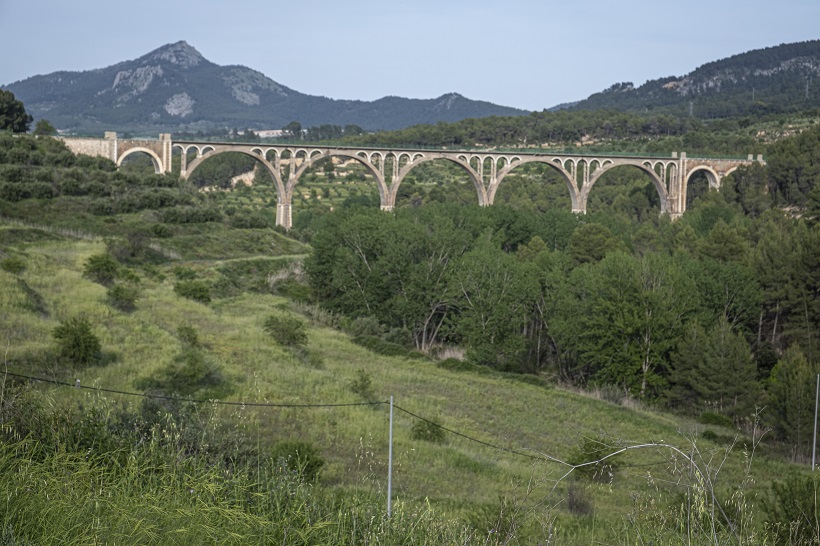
(13, 115)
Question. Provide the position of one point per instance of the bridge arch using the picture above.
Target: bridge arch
(557, 166)
(713, 180)
(311, 158)
(711, 175)
(421, 158)
(208, 152)
(646, 167)
(155, 159)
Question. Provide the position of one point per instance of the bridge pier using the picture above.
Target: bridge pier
(284, 215)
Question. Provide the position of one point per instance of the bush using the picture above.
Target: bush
(183, 273)
(13, 264)
(188, 335)
(712, 418)
(288, 331)
(193, 290)
(366, 326)
(428, 431)
(363, 385)
(76, 342)
(385, 348)
(101, 268)
(794, 510)
(299, 457)
(190, 372)
(123, 297)
(597, 451)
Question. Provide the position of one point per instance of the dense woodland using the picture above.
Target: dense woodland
(714, 316)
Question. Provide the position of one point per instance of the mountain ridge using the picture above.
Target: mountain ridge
(774, 79)
(174, 87)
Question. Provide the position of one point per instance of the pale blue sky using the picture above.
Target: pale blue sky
(523, 53)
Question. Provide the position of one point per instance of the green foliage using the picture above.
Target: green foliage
(714, 418)
(191, 372)
(43, 127)
(794, 510)
(715, 370)
(301, 458)
(194, 290)
(363, 385)
(427, 431)
(13, 264)
(34, 300)
(102, 269)
(596, 459)
(791, 400)
(188, 335)
(286, 330)
(13, 115)
(386, 348)
(591, 242)
(123, 297)
(76, 342)
(493, 293)
(183, 273)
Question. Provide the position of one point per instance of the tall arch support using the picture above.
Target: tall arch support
(648, 167)
(426, 157)
(363, 159)
(155, 159)
(516, 161)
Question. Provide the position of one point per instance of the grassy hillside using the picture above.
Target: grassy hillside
(460, 477)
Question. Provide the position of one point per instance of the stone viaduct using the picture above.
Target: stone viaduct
(389, 166)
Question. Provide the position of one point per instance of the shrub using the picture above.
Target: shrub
(382, 347)
(123, 297)
(288, 331)
(190, 372)
(76, 342)
(193, 290)
(42, 190)
(363, 385)
(34, 301)
(794, 510)
(428, 431)
(13, 264)
(161, 231)
(312, 359)
(14, 192)
(366, 326)
(299, 457)
(188, 335)
(712, 418)
(183, 273)
(101, 268)
(293, 289)
(597, 451)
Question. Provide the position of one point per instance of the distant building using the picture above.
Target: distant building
(269, 133)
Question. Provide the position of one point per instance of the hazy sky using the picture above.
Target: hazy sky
(524, 53)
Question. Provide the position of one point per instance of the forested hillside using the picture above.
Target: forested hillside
(776, 79)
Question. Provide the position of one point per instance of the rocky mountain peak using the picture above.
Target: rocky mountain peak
(180, 54)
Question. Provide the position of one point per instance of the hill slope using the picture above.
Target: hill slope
(783, 78)
(176, 88)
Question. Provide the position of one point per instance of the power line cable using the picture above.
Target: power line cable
(77, 384)
(470, 438)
